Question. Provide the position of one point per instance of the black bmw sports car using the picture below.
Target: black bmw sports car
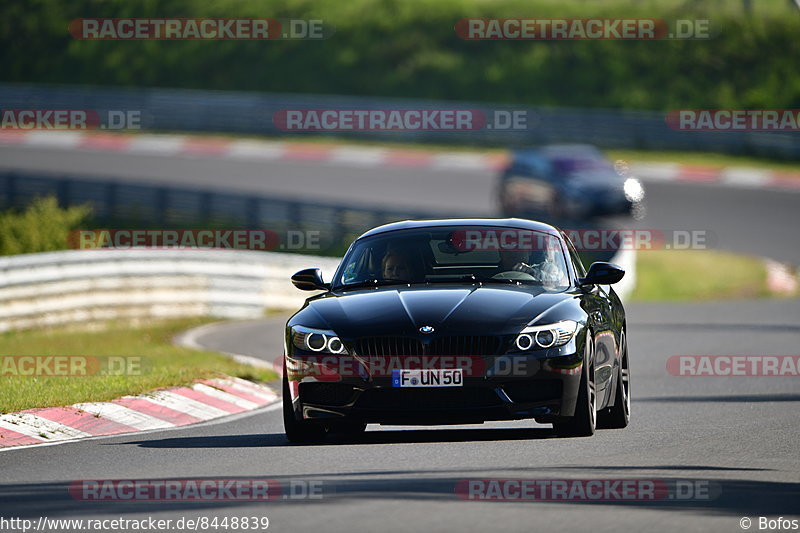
(567, 182)
(454, 322)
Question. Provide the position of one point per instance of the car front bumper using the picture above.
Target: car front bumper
(507, 387)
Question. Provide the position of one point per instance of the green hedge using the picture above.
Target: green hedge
(408, 48)
(41, 227)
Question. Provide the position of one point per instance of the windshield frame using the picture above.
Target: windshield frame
(336, 284)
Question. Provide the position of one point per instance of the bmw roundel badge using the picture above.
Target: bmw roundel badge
(426, 329)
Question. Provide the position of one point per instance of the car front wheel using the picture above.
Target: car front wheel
(298, 431)
(618, 416)
(584, 421)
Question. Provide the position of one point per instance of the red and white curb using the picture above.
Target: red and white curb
(160, 409)
(780, 278)
(186, 145)
(366, 156)
(754, 178)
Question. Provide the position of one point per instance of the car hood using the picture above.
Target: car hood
(452, 309)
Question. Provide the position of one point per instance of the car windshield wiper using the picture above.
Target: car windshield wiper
(472, 278)
(506, 280)
(469, 277)
(371, 283)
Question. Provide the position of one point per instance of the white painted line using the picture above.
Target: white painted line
(780, 279)
(157, 144)
(459, 161)
(182, 404)
(54, 139)
(189, 340)
(744, 177)
(224, 396)
(247, 360)
(255, 150)
(626, 258)
(350, 155)
(39, 428)
(123, 415)
(656, 171)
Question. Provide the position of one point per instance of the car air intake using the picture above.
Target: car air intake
(466, 345)
(333, 394)
(454, 345)
(533, 391)
(388, 346)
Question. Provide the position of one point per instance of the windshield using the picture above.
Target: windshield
(573, 165)
(607, 176)
(456, 254)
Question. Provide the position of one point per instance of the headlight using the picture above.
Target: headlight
(317, 340)
(546, 336)
(633, 190)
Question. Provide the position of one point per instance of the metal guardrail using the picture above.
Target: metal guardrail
(56, 288)
(156, 206)
(251, 113)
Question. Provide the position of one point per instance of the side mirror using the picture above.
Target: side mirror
(310, 279)
(602, 274)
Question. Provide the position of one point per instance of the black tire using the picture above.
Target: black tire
(298, 431)
(584, 421)
(618, 416)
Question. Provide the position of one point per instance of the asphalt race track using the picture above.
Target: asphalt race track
(732, 439)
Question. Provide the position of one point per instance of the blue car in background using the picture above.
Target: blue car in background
(566, 182)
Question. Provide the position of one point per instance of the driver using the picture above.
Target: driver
(540, 264)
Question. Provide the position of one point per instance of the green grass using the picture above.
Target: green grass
(163, 364)
(682, 275)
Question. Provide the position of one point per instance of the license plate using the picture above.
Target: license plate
(429, 377)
